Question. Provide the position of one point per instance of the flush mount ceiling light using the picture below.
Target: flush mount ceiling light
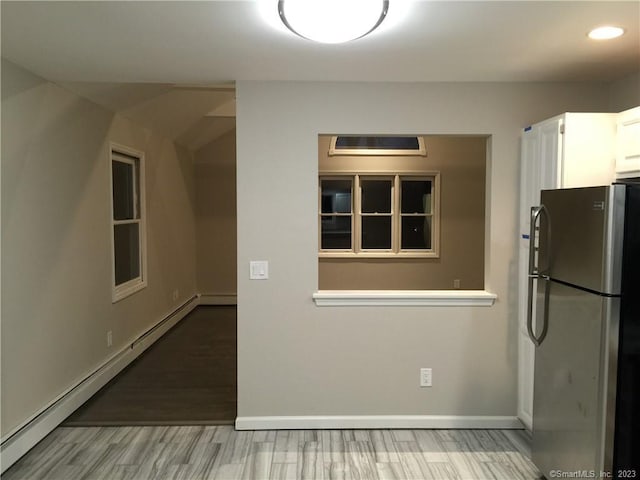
(605, 33)
(332, 21)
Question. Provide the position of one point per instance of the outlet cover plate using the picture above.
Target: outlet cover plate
(426, 377)
(258, 270)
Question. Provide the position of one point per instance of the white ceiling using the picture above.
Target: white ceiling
(113, 44)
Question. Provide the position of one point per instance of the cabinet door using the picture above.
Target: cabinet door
(628, 144)
(529, 176)
(551, 145)
(539, 165)
(588, 149)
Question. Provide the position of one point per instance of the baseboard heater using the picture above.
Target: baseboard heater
(161, 323)
(218, 299)
(24, 437)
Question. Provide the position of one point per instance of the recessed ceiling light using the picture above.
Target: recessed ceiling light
(605, 33)
(332, 21)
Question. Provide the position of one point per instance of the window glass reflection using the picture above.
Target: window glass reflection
(416, 233)
(416, 196)
(126, 245)
(377, 143)
(336, 196)
(336, 233)
(376, 196)
(376, 232)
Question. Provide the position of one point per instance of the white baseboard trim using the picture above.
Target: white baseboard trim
(218, 299)
(375, 422)
(526, 420)
(24, 437)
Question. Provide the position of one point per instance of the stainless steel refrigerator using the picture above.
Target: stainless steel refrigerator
(584, 318)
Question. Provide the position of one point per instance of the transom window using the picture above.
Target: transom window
(379, 215)
(377, 145)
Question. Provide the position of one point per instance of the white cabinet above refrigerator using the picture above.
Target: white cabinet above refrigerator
(628, 144)
(567, 151)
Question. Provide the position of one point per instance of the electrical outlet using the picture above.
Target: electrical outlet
(176, 294)
(258, 270)
(456, 283)
(425, 377)
(109, 338)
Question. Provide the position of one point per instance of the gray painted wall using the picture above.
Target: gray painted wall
(215, 169)
(298, 359)
(625, 93)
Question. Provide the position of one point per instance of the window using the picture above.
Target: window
(336, 215)
(376, 213)
(438, 216)
(377, 145)
(128, 221)
(379, 215)
(416, 214)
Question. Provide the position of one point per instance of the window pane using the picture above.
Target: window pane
(336, 196)
(336, 233)
(126, 247)
(416, 196)
(376, 232)
(376, 196)
(123, 190)
(416, 233)
(377, 143)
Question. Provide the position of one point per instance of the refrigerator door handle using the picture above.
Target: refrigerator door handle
(547, 234)
(532, 335)
(537, 340)
(545, 310)
(535, 216)
(534, 274)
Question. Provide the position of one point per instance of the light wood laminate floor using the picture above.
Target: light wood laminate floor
(220, 452)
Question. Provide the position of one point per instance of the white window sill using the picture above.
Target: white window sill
(126, 289)
(413, 298)
(371, 254)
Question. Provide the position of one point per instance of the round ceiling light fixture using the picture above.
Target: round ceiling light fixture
(606, 33)
(332, 21)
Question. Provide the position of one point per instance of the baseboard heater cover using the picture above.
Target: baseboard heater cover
(376, 422)
(24, 437)
(218, 299)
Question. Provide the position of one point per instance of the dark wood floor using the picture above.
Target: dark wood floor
(187, 377)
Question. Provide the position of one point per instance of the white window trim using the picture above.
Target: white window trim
(119, 292)
(404, 298)
(333, 151)
(396, 215)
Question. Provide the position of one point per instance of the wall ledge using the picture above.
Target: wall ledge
(314, 422)
(409, 298)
